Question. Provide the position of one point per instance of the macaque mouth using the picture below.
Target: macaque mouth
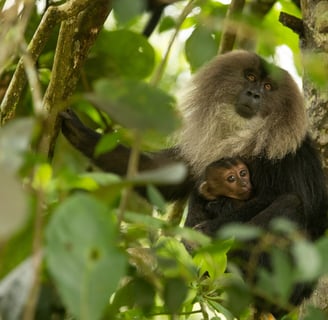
(246, 194)
(246, 110)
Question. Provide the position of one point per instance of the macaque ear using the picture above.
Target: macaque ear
(204, 191)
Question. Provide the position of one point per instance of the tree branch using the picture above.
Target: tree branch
(292, 22)
(229, 31)
(77, 35)
(53, 16)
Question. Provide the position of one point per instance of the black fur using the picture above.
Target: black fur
(298, 175)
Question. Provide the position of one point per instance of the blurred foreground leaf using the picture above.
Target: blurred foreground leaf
(136, 105)
(82, 255)
(122, 53)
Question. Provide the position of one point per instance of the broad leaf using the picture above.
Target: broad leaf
(136, 105)
(122, 53)
(82, 255)
(201, 47)
(126, 10)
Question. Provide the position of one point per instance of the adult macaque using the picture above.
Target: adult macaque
(252, 109)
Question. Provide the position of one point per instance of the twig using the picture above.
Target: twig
(292, 22)
(229, 31)
(159, 72)
(33, 79)
(131, 172)
(37, 258)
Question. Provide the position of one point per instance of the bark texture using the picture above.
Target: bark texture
(314, 47)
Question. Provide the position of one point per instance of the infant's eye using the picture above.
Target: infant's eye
(231, 179)
(267, 86)
(251, 77)
(243, 173)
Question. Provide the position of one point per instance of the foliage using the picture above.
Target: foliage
(109, 264)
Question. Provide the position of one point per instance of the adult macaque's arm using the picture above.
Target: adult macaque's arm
(85, 140)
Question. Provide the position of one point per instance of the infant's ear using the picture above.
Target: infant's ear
(204, 191)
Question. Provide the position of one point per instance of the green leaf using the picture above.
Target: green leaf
(82, 255)
(13, 204)
(213, 258)
(166, 24)
(240, 232)
(174, 260)
(237, 295)
(308, 260)
(221, 309)
(283, 225)
(107, 143)
(282, 277)
(136, 105)
(156, 199)
(175, 293)
(14, 141)
(201, 47)
(322, 247)
(136, 293)
(126, 10)
(142, 219)
(122, 53)
(170, 174)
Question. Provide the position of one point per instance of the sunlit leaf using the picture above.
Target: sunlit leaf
(174, 260)
(82, 255)
(213, 258)
(201, 47)
(122, 53)
(107, 143)
(191, 235)
(42, 176)
(167, 23)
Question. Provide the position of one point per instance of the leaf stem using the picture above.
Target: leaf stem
(131, 172)
(160, 70)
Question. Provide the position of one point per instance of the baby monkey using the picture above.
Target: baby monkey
(229, 178)
(222, 193)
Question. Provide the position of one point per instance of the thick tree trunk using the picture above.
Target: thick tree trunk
(314, 46)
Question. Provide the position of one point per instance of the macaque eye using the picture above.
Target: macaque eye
(251, 77)
(243, 173)
(231, 179)
(267, 86)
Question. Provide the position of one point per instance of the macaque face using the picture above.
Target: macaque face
(233, 182)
